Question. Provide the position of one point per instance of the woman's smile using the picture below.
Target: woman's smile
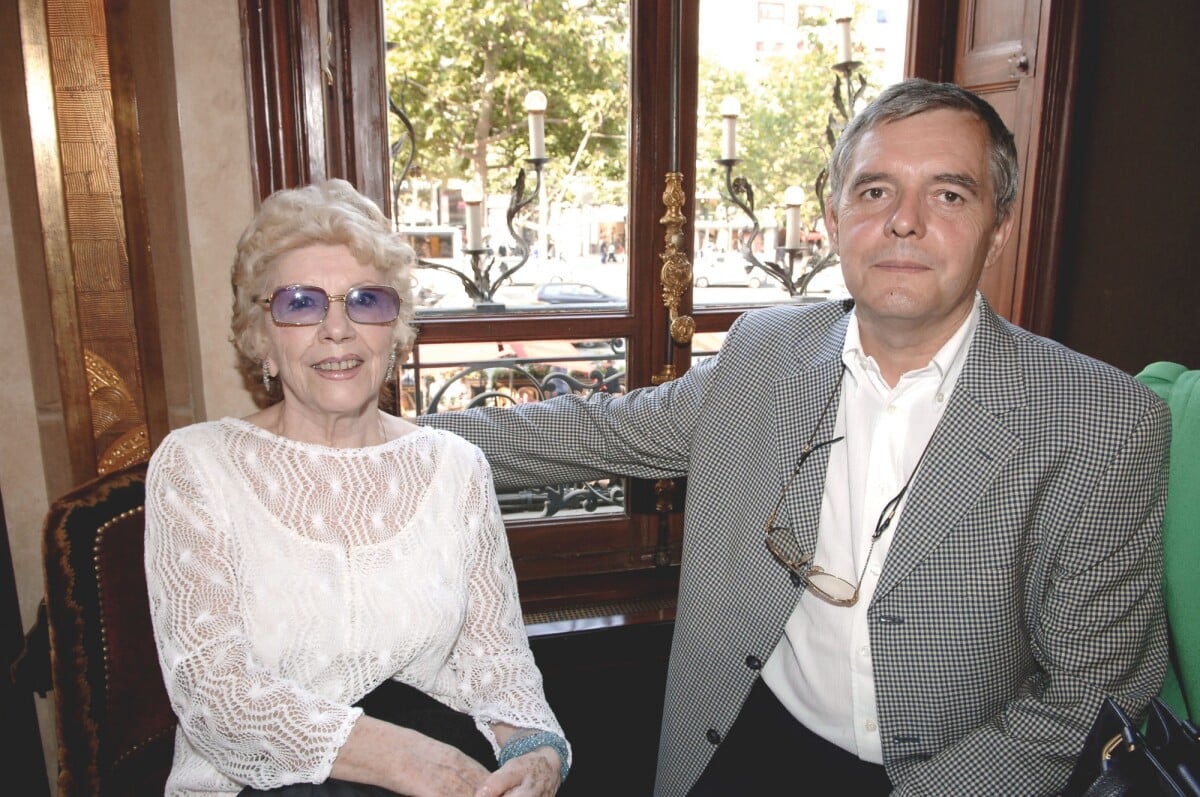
(339, 368)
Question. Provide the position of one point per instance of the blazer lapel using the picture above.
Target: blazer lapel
(799, 398)
(969, 450)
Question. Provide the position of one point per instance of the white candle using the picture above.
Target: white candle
(730, 108)
(473, 197)
(537, 135)
(793, 197)
(474, 225)
(847, 50)
(535, 104)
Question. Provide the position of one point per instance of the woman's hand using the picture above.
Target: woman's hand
(410, 763)
(535, 774)
(429, 768)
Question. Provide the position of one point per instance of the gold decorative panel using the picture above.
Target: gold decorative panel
(91, 185)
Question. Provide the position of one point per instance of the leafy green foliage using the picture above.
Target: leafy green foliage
(460, 71)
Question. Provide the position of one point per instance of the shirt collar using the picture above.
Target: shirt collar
(945, 365)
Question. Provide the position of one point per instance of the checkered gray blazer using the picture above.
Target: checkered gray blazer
(1022, 585)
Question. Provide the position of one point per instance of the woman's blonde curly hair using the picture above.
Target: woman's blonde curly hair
(330, 213)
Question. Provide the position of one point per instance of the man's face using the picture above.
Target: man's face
(915, 224)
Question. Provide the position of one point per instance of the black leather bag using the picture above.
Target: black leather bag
(1119, 760)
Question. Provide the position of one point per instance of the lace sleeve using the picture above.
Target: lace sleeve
(252, 726)
(496, 671)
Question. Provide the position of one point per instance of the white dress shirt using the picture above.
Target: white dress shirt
(821, 669)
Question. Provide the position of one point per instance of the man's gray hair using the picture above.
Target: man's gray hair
(914, 96)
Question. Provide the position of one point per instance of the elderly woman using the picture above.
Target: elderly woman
(331, 588)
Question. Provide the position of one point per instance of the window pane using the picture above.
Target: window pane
(481, 206)
(779, 65)
(706, 344)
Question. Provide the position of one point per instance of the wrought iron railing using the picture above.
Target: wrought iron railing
(517, 380)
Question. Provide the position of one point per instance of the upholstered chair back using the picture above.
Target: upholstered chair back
(114, 725)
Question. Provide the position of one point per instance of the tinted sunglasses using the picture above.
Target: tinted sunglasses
(306, 305)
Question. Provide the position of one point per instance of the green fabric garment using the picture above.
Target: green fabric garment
(1180, 388)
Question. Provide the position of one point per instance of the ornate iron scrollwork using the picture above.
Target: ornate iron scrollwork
(529, 383)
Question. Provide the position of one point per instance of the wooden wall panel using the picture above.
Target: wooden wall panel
(91, 193)
(1020, 56)
(997, 58)
(83, 128)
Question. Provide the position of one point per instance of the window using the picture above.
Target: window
(770, 12)
(522, 147)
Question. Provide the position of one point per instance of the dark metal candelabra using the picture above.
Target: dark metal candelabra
(848, 87)
(741, 193)
(480, 285)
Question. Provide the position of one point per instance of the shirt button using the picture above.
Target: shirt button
(870, 727)
(939, 398)
(865, 651)
(713, 737)
(891, 410)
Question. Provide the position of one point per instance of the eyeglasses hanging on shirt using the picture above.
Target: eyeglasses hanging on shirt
(780, 538)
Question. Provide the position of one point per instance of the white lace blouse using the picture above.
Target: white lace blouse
(288, 579)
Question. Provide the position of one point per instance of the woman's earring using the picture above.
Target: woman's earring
(387, 376)
(267, 375)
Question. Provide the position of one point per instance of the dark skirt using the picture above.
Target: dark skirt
(404, 705)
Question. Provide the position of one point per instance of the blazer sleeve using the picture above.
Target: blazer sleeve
(645, 433)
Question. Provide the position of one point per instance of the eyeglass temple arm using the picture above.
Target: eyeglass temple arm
(811, 447)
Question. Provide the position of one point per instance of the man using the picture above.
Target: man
(921, 543)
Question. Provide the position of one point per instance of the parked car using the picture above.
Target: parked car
(730, 270)
(574, 293)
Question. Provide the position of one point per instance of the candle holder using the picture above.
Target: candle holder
(479, 284)
(848, 88)
(845, 97)
(739, 191)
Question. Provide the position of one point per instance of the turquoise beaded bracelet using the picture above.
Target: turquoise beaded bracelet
(522, 745)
